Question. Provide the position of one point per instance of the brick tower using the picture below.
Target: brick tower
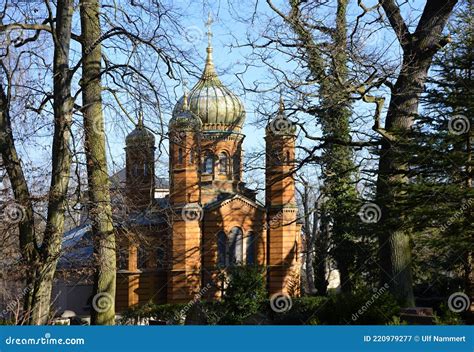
(186, 212)
(140, 167)
(283, 239)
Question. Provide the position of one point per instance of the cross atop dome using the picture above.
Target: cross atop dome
(208, 24)
(210, 100)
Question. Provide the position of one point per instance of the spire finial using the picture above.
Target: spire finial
(209, 23)
(185, 96)
(140, 113)
(281, 107)
(209, 71)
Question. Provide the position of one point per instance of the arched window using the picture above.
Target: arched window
(223, 163)
(250, 248)
(123, 259)
(145, 170)
(180, 155)
(208, 165)
(221, 249)
(287, 156)
(235, 246)
(191, 156)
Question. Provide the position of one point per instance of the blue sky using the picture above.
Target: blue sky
(236, 69)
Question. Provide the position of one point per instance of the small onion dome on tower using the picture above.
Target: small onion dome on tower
(140, 135)
(281, 125)
(185, 119)
(211, 101)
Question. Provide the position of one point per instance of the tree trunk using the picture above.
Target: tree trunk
(322, 243)
(310, 233)
(26, 227)
(103, 312)
(309, 268)
(61, 164)
(38, 311)
(418, 51)
(41, 261)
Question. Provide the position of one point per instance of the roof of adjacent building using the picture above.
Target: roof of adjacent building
(119, 179)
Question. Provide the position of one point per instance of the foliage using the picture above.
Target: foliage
(396, 321)
(359, 307)
(246, 298)
(304, 310)
(165, 312)
(447, 317)
(244, 295)
(440, 197)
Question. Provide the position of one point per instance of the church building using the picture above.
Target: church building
(176, 238)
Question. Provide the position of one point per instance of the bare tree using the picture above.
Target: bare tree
(125, 76)
(41, 258)
(100, 210)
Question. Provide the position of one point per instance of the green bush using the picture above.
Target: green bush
(244, 294)
(304, 310)
(171, 313)
(444, 316)
(396, 321)
(360, 307)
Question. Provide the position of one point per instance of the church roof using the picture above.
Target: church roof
(280, 124)
(140, 135)
(119, 179)
(77, 244)
(185, 119)
(229, 197)
(77, 247)
(210, 100)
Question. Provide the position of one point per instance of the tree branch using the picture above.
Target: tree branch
(397, 22)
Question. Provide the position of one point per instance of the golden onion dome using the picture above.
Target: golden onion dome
(140, 135)
(184, 119)
(210, 100)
